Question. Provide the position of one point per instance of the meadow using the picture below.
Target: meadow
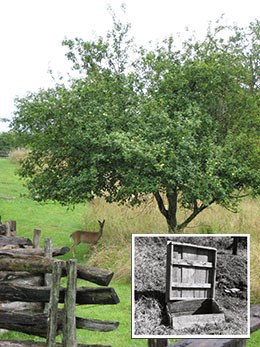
(114, 250)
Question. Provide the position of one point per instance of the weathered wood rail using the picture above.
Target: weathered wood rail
(36, 264)
(20, 258)
(84, 295)
(227, 342)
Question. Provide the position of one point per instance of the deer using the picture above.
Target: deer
(89, 237)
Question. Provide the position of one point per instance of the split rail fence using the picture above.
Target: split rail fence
(16, 263)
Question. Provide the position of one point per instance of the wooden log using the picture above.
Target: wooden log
(35, 264)
(91, 295)
(95, 275)
(69, 338)
(13, 343)
(254, 317)
(56, 251)
(96, 324)
(37, 324)
(20, 278)
(32, 324)
(101, 296)
(26, 343)
(53, 305)
(157, 342)
(17, 241)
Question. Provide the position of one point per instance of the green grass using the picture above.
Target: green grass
(54, 220)
(58, 222)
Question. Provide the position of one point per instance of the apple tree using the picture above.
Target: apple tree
(181, 124)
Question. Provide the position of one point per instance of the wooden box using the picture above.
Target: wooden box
(190, 285)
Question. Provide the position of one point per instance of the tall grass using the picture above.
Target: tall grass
(122, 221)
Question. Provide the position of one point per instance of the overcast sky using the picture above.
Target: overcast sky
(31, 32)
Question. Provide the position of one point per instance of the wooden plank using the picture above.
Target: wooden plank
(191, 285)
(193, 263)
(213, 290)
(169, 271)
(188, 321)
(192, 245)
(185, 306)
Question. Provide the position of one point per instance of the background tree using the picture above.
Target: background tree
(182, 125)
(7, 143)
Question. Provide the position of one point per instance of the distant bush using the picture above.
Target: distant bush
(17, 155)
(6, 142)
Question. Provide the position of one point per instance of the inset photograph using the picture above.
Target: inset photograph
(190, 286)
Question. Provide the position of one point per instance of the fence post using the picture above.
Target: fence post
(53, 305)
(157, 342)
(36, 238)
(8, 228)
(47, 276)
(69, 323)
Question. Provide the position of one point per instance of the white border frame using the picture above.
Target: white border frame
(191, 336)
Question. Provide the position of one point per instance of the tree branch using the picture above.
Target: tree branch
(160, 204)
(196, 210)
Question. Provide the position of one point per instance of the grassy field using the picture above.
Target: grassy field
(114, 250)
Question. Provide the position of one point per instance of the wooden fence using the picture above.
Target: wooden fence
(51, 321)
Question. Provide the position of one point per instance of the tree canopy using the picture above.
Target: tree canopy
(180, 124)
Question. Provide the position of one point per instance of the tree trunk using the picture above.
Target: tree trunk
(170, 214)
